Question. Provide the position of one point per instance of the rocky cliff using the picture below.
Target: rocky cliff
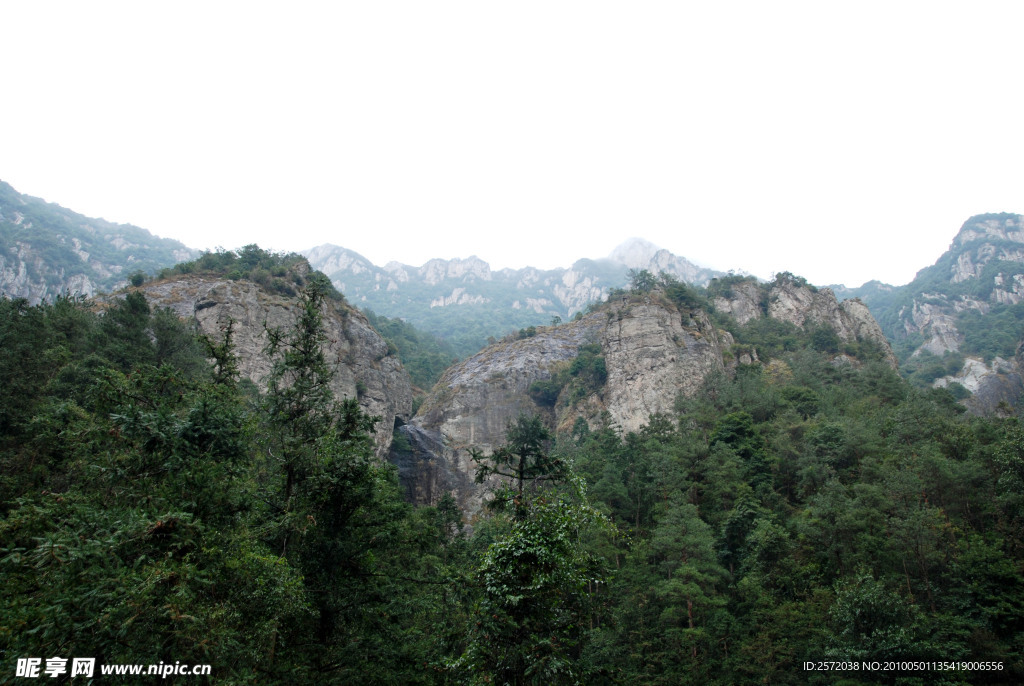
(364, 367)
(651, 351)
(472, 405)
(791, 299)
(46, 250)
(958, 324)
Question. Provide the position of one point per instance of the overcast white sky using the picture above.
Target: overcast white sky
(840, 141)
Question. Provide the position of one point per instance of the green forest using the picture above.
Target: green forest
(806, 508)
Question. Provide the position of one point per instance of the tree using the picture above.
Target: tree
(871, 622)
(537, 576)
(737, 431)
(525, 457)
(682, 548)
(641, 280)
(336, 516)
(299, 400)
(125, 330)
(530, 623)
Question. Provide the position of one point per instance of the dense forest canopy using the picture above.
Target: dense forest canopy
(812, 506)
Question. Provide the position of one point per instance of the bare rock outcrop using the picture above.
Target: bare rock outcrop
(743, 302)
(992, 385)
(938, 323)
(364, 368)
(794, 301)
(801, 305)
(652, 352)
(471, 407)
(24, 273)
(983, 239)
(976, 275)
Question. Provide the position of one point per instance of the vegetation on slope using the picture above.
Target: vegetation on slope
(423, 355)
(50, 232)
(997, 332)
(153, 511)
(810, 507)
(281, 273)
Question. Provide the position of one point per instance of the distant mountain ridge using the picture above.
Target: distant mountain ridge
(46, 250)
(465, 301)
(958, 324)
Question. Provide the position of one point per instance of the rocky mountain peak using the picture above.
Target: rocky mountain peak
(364, 367)
(332, 258)
(635, 253)
(491, 302)
(991, 227)
(639, 253)
(983, 239)
(437, 270)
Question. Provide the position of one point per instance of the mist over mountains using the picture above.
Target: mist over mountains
(465, 301)
(959, 324)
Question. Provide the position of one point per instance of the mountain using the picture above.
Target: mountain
(211, 299)
(960, 322)
(621, 364)
(465, 301)
(701, 486)
(46, 250)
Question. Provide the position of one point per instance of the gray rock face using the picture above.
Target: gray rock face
(800, 305)
(851, 320)
(934, 314)
(21, 276)
(359, 356)
(860, 325)
(422, 468)
(47, 250)
(744, 302)
(939, 323)
(474, 402)
(987, 238)
(652, 352)
(636, 253)
(990, 384)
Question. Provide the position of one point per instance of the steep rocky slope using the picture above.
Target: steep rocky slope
(464, 299)
(791, 299)
(960, 322)
(46, 250)
(364, 367)
(472, 404)
(651, 350)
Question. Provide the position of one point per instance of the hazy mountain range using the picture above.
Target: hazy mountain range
(958, 324)
(465, 301)
(46, 249)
